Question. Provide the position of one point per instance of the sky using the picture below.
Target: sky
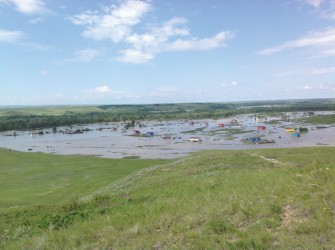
(67, 52)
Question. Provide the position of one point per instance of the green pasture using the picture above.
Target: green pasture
(321, 119)
(31, 179)
(47, 110)
(247, 199)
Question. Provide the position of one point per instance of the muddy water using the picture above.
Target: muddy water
(167, 139)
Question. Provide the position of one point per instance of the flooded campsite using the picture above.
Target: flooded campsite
(173, 139)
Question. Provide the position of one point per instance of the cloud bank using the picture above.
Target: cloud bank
(11, 36)
(323, 41)
(115, 23)
(324, 8)
(27, 6)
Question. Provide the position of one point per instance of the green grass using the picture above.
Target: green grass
(47, 110)
(251, 199)
(322, 119)
(35, 178)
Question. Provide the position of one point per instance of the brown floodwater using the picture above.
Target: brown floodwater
(167, 139)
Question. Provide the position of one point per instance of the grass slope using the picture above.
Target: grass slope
(47, 110)
(252, 199)
(324, 119)
(28, 179)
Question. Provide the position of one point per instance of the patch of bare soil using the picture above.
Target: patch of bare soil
(290, 215)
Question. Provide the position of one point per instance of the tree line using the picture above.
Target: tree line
(30, 122)
(150, 112)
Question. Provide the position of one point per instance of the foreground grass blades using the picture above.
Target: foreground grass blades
(44, 179)
(257, 199)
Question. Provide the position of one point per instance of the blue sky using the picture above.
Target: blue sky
(154, 51)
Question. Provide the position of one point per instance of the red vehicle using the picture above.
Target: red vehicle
(261, 128)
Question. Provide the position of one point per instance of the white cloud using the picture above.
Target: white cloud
(307, 87)
(323, 71)
(314, 3)
(158, 35)
(145, 46)
(159, 39)
(103, 89)
(231, 84)
(324, 8)
(85, 55)
(322, 41)
(11, 36)
(329, 11)
(35, 20)
(19, 38)
(135, 56)
(200, 44)
(114, 23)
(27, 6)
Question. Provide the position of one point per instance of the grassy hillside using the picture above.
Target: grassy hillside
(259, 199)
(46, 110)
(30, 179)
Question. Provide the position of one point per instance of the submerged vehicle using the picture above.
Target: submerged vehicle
(195, 139)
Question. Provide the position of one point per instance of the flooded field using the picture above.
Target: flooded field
(172, 139)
